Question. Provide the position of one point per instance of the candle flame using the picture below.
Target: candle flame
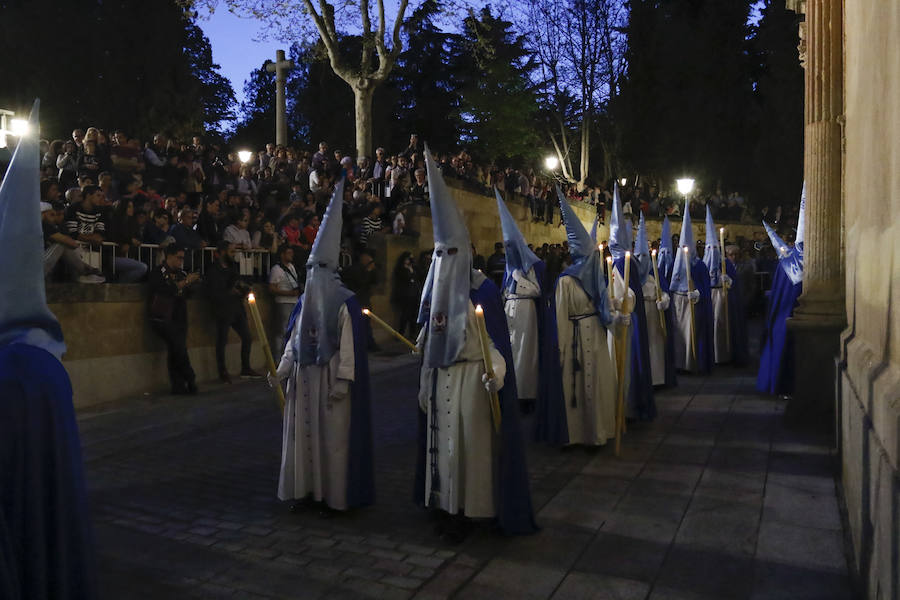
(479, 310)
(653, 253)
(365, 311)
(609, 259)
(627, 254)
(251, 297)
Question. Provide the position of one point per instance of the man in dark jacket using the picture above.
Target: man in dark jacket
(361, 277)
(226, 293)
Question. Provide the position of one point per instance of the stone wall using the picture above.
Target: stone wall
(113, 354)
(869, 367)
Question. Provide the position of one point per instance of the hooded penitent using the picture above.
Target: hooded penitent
(679, 281)
(642, 252)
(518, 254)
(665, 258)
(594, 229)
(587, 266)
(445, 296)
(24, 315)
(324, 293)
(776, 373)
(712, 253)
(45, 538)
(619, 228)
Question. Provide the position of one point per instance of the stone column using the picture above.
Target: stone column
(821, 315)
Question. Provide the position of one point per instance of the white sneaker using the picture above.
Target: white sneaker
(92, 279)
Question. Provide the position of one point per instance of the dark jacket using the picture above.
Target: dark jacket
(222, 287)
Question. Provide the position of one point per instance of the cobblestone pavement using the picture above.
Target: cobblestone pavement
(715, 499)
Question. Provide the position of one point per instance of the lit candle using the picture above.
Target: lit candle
(627, 272)
(724, 288)
(488, 363)
(390, 329)
(662, 318)
(267, 352)
(609, 277)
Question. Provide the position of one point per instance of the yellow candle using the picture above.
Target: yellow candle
(662, 318)
(488, 363)
(609, 277)
(627, 271)
(267, 352)
(390, 329)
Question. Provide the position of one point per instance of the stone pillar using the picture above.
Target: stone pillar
(821, 315)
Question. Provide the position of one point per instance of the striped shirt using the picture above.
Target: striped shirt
(80, 221)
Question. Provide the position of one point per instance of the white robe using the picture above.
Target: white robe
(656, 340)
(461, 414)
(722, 343)
(521, 316)
(684, 358)
(619, 295)
(316, 432)
(592, 421)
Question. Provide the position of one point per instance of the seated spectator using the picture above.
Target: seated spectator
(123, 229)
(67, 163)
(208, 222)
(84, 221)
(311, 230)
(105, 181)
(125, 157)
(267, 238)
(88, 163)
(183, 232)
(157, 231)
(418, 193)
(399, 225)
(373, 223)
(59, 246)
(238, 234)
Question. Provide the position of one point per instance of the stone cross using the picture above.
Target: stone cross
(280, 67)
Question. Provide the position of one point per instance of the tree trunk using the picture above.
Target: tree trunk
(363, 92)
(585, 151)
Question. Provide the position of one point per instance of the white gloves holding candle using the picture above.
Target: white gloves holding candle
(726, 282)
(662, 304)
(339, 391)
(694, 296)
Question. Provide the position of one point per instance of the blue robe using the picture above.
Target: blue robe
(671, 377)
(776, 369)
(640, 402)
(515, 515)
(360, 460)
(737, 320)
(550, 410)
(46, 545)
(703, 318)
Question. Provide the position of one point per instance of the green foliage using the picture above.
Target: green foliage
(141, 66)
(498, 100)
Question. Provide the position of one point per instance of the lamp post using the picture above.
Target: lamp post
(685, 186)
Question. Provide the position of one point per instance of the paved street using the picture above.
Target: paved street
(715, 499)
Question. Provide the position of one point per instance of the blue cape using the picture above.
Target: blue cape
(641, 404)
(703, 317)
(776, 369)
(671, 379)
(550, 409)
(515, 515)
(360, 460)
(46, 545)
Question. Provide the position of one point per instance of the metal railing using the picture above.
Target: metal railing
(253, 263)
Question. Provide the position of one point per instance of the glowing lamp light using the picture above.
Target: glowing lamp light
(551, 162)
(685, 185)
(623, 182)
(18, 127)
(244, 155)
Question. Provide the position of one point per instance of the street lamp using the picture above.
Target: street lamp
(551, 162)
(623, 181)
(685, 186)
(18, 127)
(244, 156)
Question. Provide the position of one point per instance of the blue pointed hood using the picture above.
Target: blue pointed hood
(665, 258)
(712, 253)
(315, 338)
(594, 229)
(588, 265)
(619, 228)
(518, 254)
(679, 281)
(642, 251)
(24, 315)
(445, 295)
(788, 258)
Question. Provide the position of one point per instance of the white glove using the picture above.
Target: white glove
(627, 304)
(517, 275)
(340, 390)
(620, 322)
(492, 385)
(273, 380)
(662, 304)
(694, 296)
(726, 281)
